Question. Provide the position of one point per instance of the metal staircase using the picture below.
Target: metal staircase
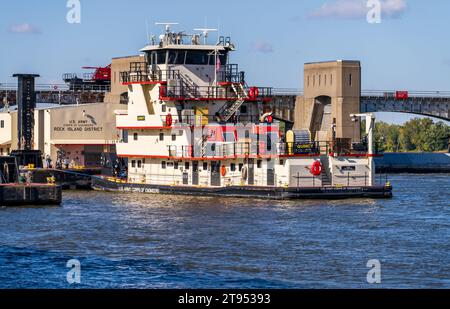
(232, 108)
(326, 174)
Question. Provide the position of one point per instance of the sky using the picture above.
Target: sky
(408, 50)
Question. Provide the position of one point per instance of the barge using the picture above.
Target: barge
(194, 126)
(16, 189)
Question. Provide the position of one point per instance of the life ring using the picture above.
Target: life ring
(316, 168)
(223, 171)
(169, 120)
(244, 173)
(269, 119)
(253, 93)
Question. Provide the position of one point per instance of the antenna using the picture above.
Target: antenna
(146, 29)
(167, 25)
(205, 32)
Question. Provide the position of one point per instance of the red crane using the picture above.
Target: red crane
(100, 77)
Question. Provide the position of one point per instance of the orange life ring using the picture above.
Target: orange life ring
(316, 168)
(253, 93)
(169, 120)
(223, 171)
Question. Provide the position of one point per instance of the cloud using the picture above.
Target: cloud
(263, 47)
(24, 28)
(355, 9)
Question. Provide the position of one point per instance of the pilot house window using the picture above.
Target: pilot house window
(197, 57)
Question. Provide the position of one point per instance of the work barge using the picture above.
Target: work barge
(16, 186)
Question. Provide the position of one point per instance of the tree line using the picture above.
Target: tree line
(422, 135)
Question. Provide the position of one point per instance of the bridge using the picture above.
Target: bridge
(427, 103)
(56, 93)
(434, 104)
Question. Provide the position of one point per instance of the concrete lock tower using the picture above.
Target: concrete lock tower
(332, 91)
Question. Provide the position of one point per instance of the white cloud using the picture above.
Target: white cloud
(354, 9)
(263, 47)
(24, 28)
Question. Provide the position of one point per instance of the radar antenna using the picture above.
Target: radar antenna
(205, 33)
(166, 25)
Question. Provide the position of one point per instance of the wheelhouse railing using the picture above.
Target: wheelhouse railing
(230, 74)
(180, 92)
(141, 72)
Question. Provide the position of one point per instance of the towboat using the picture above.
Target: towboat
(193, 126)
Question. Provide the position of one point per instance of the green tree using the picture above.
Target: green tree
(415, 135)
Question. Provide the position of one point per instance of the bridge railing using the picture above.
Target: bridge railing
(58, 87)
(419, 94)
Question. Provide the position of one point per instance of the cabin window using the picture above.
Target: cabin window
(241, 166)
(139, 163)
(175, 165)
(161, 136)
(176, 57)
(186, 166)
(163, 165)
(161, 57)
(205, 166)
(135, 136)
(174, 137)
(247, 134)
(244, 109)
(2, 124)
(350, 80)
(133, 163)
(195, 57)
(281, 162)
(259, 163)
(233, 167)
(163, 108)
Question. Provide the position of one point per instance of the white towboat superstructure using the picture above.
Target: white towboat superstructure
(194, 126)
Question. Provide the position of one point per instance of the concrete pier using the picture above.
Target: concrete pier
(424, 163)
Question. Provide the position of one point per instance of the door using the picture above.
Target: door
(195, 173)
(251, 171)
(185, 178)
(215, 174)
(201, 116)
(270, 173)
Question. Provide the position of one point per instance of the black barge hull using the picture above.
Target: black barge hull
(30, 194)
(102, 184)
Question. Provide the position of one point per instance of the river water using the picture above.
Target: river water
(157, 241)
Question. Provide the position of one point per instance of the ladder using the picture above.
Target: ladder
(326, 173)
(203, 145)
(241, 95)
